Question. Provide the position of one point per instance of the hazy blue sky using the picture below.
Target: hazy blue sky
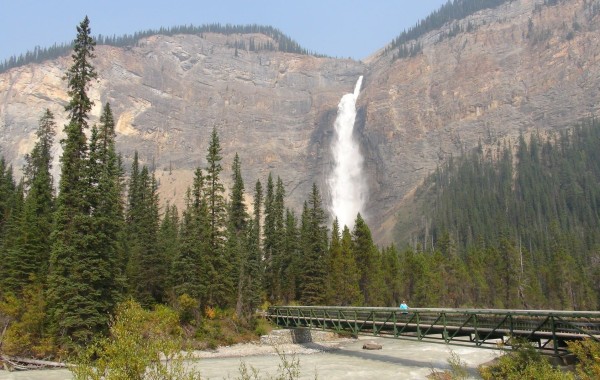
(351, 28)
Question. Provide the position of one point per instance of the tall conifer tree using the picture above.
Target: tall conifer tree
(191, 266)
(237, 234)
(168, 240)
(342, 273)
(11, 268)
(269, 238)
(220, 287)
(147, 268)
(369, 263)
(314, 250)
(78, 309)
(33, 239)
(290, 261)
(253, 286)
(106, 189)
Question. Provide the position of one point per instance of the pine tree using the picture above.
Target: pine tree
(79, 76)
(78, 308)
(238, 215)
(11, 268)
(237, 253)
(416, 271)
(168, 240)
(334, 270)
(35, 226)
(147, 268)
(368, 261)
(220, 287)
(269, 239)
(290, 263)
(392, 277)
(253, 284)
(342, 273)
(190, 267)
(7, 191)
(106, 189)
(314, 250)
(280, 257)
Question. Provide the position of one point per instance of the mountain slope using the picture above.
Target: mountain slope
(524, 65)
(169, 92)
(521, 66)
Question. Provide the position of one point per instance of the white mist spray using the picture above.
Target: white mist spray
(346, 183)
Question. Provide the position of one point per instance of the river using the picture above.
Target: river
(399, 359)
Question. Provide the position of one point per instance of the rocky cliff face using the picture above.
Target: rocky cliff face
(520, 67)
(168, 93)
(523, 66)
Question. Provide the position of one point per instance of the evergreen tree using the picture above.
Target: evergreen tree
(238, 215)
(106, 188)
(79, 76)
(33, 244)
(190, 268)
(147, 268)
(368, 261)
(220, 287)
(269, 239)
(78, 307)
(237, 247)
(7, 191)
(416, 271)
(253, 284)
(275, 238)
(290, 262)
(12, 270)
(168, 240)
(314, 250)
(392, 277)
(342, 284)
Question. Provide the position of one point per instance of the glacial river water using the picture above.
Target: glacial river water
(399, 359)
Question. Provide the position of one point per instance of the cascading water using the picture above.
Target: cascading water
(347, 185)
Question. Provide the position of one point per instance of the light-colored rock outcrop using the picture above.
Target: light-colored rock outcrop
(520, 67)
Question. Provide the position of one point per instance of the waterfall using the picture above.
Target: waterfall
(347, 184)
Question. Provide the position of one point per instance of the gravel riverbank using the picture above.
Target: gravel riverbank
(253, 349)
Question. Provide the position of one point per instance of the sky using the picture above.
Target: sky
(344, 29)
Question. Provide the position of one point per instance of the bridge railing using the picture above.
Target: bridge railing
(550, 329)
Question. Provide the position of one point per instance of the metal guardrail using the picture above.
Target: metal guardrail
(488, 328)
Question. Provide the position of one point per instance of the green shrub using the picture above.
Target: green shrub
(524, 362)
(25, 321)
(262, 327)
(588, 356)
(142, 344)
(187, 307)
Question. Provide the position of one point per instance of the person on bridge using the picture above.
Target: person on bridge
(404, 307)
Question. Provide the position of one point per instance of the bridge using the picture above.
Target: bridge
(548, 330)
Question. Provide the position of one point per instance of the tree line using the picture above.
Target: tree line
(282, 42)
(404, 44)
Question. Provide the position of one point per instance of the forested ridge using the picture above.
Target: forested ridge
(282, 42)
(523, 217)
(405, 45)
